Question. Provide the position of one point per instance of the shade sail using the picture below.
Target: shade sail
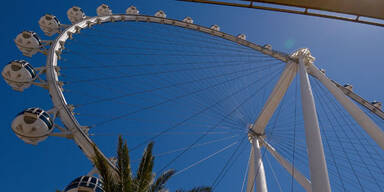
(365, 8)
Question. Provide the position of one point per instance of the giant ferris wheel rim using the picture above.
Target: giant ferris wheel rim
(67, 118)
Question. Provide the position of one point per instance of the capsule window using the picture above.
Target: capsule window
(75, 9)
(47, 121)
(30, 70)
(15, 67)
(29, 119)
(93, 180)
(26, 35)
(47, 17)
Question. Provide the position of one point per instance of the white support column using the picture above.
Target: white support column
(251, 171)
(299, 177)
(256, 180)
(317, 163)
(275, 98)
(261, 182)
(360, 117)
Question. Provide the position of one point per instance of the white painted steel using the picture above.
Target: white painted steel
(360, 117)
(79, 135)
(261, 182)
(251, 172)
(349, 92)
(275, 98)
(299, 177)
(317, 163)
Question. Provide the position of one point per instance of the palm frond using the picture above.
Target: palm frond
(144, 177)
(159, 184)
(124, 167)
(101, 164)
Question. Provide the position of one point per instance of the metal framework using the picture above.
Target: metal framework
(299, 62)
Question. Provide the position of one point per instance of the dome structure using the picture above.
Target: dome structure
(215, 27)
(161, 14)
(103, 10)
(85, 184)
(377, 104)
(349, 87)
(75, 14)
(268, 46)
(188, 20)
(132, 10)
(18, 74)
(242, 36)
(28, 43)
(32, 125)
(49, 24)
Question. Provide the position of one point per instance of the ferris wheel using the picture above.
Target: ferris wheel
(221, 109)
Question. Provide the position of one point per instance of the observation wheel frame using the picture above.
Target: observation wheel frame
(79, 133)
(299, 62)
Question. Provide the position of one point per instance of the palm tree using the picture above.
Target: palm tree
(143, 181)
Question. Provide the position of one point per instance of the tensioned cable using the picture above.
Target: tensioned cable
(211, 96)
(163, 87)
(227, 164)
(325, 133)
(273, 173)
(213, 127)
(354, 147)
(205, 158)
(347, 154)
(166, 101)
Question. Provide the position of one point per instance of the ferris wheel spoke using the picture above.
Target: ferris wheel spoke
(152, 73)
(213, 127)
(343, 149)
(198, 145)
(192, 44)
(230, 161)
(273, 173)
(363, 157)
(206, 158)
(178, 97)
(165, 87)
(189, 40)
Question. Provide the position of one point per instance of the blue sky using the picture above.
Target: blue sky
(350, 53)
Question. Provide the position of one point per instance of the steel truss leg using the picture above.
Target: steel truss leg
(317, 163)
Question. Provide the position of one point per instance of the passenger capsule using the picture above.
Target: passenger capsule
(349, 87)
(241, 36)
(132, 10)
(18, 74)
(32, 125)
(188, 20)
(75, 14)
(49, 24)
(103, 10)
(377, 104)
(86, 184)
(161, 14)
(28, 43)
(215, 27)
(268, 46)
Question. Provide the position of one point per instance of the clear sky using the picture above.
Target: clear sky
(349, 52)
